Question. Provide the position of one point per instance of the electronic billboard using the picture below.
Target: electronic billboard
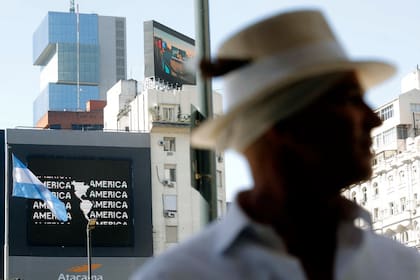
(102, 176)
(97, 189)
(168, 55)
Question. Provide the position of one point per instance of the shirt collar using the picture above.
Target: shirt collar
(230, 227)
(236, 223)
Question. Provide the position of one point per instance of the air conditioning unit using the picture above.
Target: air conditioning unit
(169, 214)
(161, 142)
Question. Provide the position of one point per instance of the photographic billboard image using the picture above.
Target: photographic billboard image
(172, 55)
(91, 189)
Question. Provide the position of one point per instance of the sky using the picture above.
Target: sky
(385, 30)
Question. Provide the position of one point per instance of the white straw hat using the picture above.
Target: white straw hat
(282, 50)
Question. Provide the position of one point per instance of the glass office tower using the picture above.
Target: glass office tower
(80, 56)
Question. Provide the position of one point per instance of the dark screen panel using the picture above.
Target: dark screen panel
(91, 189)
(21, 210)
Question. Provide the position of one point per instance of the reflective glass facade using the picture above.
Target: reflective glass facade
(58, 97)
(57, 28)
(70, 54)
(88, 63)
(57, 34)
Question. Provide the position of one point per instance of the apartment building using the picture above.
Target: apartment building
(165, 112)
(392, 196)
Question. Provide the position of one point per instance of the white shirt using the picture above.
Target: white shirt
(238, 248)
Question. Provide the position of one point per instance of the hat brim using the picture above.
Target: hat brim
(369, 73)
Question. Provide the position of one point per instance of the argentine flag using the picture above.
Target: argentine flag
(27, 185)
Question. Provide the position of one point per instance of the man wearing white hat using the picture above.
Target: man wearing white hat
(296, 112)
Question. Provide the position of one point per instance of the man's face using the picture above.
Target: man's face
(332, 138)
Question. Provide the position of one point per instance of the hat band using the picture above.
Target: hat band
(245, 82)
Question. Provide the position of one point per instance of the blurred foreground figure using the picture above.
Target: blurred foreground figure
(297, 113)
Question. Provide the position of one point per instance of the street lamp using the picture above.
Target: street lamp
(89, 227)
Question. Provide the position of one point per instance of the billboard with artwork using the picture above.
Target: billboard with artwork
(168, 55)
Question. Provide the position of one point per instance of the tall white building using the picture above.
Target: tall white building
(165, 112)
(392, 196)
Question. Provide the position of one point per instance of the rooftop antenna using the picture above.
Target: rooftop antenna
(71, 6)
(78, 56)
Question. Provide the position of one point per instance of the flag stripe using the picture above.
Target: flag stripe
(27, 185)
(21, 175)
(26, 190)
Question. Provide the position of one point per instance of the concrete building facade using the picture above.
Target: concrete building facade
(392, 196)
(165, 112)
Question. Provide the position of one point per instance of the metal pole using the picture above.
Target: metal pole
(78, 57)
(89, 248)
(6, 210)
(203, 52)
(89, 227)
(206, 100)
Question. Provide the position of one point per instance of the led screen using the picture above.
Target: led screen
(172, 54)
(91, 189)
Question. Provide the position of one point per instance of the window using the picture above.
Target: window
(414, 173)
(170, 172)
(169, 144)
(403, 203)
(120, 52)
(375, 214)
(219, 180)
(375, 189)
(402, 132)
(55, 126)
(87, 127)
(168, 112)
(414, 107)
(387, 112)
(121, 73)
(401, 174)
(120, 33)
(364, 191)
(119, 24)
(171, 234)
(120, 61)
(404, 237)
(391, 208)
(169, 204)
(120, 43)
(377, 141)
(353, 196)
(388, 137)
